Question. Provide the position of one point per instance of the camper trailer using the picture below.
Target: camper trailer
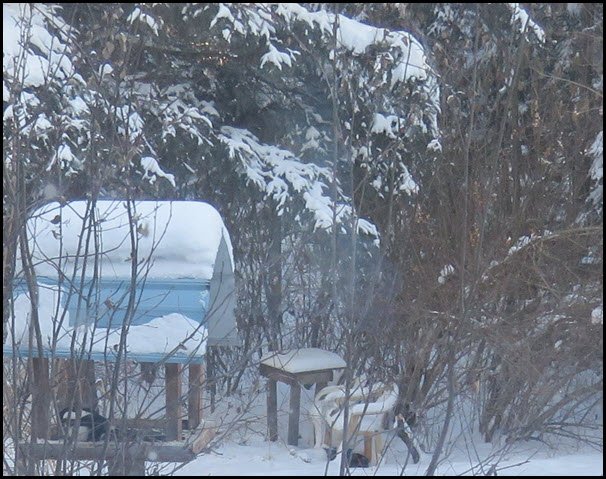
(175, 298)
(140, 284)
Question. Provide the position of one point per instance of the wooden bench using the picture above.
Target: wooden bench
(124, 458)
(295, 367)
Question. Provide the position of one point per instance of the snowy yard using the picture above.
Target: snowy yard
(408, 195)
(260, 458)
(247, 453)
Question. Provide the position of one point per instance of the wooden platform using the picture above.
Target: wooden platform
(125, 458)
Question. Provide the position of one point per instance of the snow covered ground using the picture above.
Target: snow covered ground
(260, 458)
(247, 453)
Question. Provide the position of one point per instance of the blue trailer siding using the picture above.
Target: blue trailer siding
(153, 299)
(108, 301)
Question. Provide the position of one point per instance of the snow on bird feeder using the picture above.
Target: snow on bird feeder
(183, 295)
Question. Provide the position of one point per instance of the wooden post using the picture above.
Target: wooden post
(76, 383)
(194, 399)
(126, 465)
(40, 399)
(368, 447)
(211, 380)
(293, 418)
(137, 467)
(378, 448)
(40, 413)
(272, 409)
(173, 406)
(89, 394)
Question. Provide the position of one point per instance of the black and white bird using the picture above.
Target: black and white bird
(92, 427)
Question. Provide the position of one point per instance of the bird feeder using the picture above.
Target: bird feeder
(150, 282)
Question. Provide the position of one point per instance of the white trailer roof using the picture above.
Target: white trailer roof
(182, 237)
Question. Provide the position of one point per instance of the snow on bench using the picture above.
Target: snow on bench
(302, 360)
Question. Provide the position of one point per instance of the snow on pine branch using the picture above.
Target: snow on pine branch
(398, 59)
(277, 57)
(152, 169)
(526, 240)
(596, 172)
(445, 272)
(245, 19)
(31, 54)
(144, 18)
(177, 108)
(130, 121)
(356, 37)
(37, 65)
(408, 56)
(254, 21)
(398, 54)
(520, 17)
(279, 174)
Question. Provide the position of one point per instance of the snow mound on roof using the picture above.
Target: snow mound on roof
(175, 239)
